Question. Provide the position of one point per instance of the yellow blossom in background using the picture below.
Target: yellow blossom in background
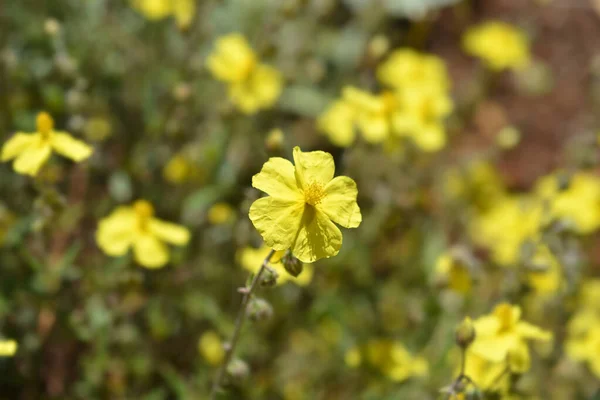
(220, 213)
(304, 200)
(508, 137)
(506, 226)
(454, 272)
(136, 227)
(337, 122)
(182, 10)
(407, 68)
(31, 150)
(274, 139)
(478, 183)
(503, 331)
(546, 275)
(252, 85)
(422, 117)
(500, 45)
(353, 358)
(211, 348)
(394, 360)
(251, 260)
(485, 373)
(8, 348)
(574, 199)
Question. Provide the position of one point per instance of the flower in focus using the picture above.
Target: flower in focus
(136, 227)
(304, 200)
(252, 85)
(407, 68)
(8, 348)
(31, 150)
(503, 331)
(394, 360)
(220, 213)
(500, 45)
(574, 199)
(182, 10)
(211, 348)
(251, 259)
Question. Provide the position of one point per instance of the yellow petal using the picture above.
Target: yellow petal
(153, 9)
(267, 82)
(64, 144)
(18, 144)
(169, 232)
(338, 123)
(494, 348)
(150, 252)
(528, 331)
(374, 128)
(277, 220)
(233, 58)
(313, 167)
(317, 238)
(430, 137)
(32, 159)
(339, 203)
(184, 12)
(8, 348)
(276, 178)
(116, 232)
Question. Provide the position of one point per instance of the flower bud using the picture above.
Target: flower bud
(465, 333)
(238, 371)
(269, 277)
(259, 310)
(292, 265)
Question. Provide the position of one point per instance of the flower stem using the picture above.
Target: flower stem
(239, 322)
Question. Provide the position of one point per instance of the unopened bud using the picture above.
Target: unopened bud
(292, 265)
(465, 333)
(269, 277)
(238, 371)
(259, 310)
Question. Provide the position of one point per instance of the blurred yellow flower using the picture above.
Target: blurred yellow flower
(337, 122)
(8, 348)
(485, 373)
(274, 139)
(135, 227)
(31, 150)
(506, 226)
(503, 331)
(394, 360)
(407, 68)
(454, 272)
(251, 259)
(304, 202)
(500, 45)
(252, 85)
(546, 277)
(211, 348)
(220, 213)
(182, 10)
(508, 137)
(373, 114)
(574, 199)
(352, 357)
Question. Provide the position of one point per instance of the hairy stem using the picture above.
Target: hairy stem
(239, 322)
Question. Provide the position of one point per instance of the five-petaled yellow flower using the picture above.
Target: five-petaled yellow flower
(304, 202)
(252, 85)
(31, 150)
(135, 227)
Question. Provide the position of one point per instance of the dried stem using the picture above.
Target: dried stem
(241, 317)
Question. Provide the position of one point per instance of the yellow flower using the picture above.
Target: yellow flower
(252, 85)
(546, 276)
(422, 117)
(8, 348)
(583, 343)
(135, 227)
(485, 373)
(220, 213)
(31, 150)
(578, 203)
(182, 10)
(251, 260)
(500, 45)
(304, 202)
(503, 331)
(352, 357)
(338, 123)
(211, 348)
(506, 226)
(395, 361)
(454, 272)
(274, 139)
(406, 68)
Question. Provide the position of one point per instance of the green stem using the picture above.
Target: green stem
(239, 322)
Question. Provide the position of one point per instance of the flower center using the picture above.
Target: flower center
(314, 193)
(504, 313)
(144, 212)
(45, 124)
